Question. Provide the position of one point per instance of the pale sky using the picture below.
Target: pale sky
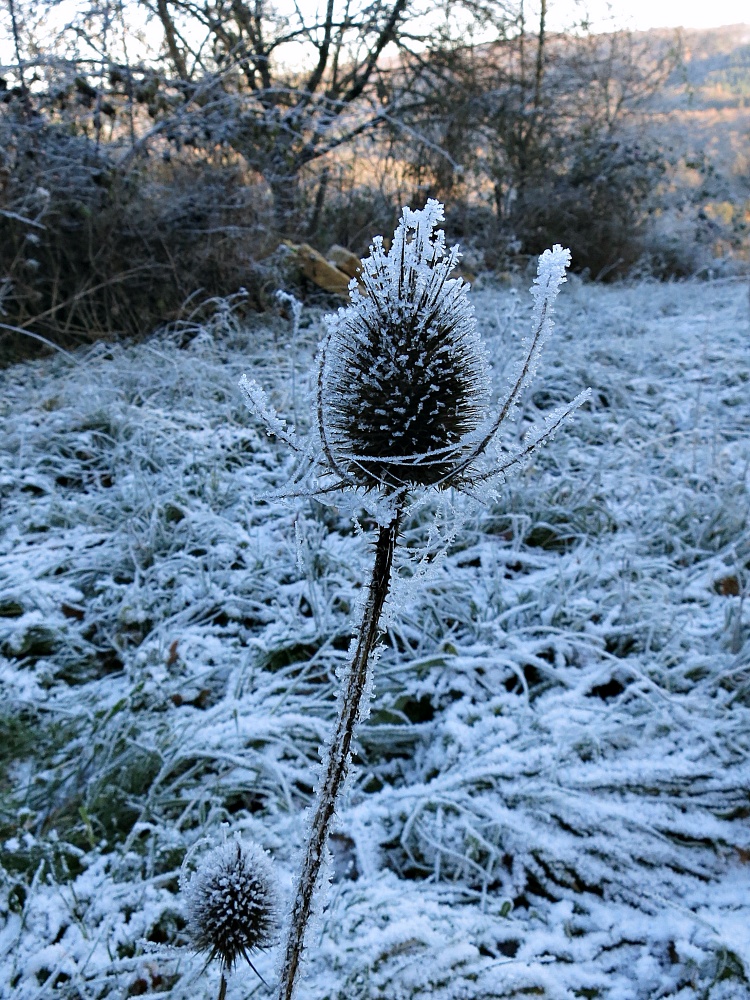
(642, 14)
(603, 15)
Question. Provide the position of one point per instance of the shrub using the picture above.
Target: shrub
(599, 205)
(90, 248)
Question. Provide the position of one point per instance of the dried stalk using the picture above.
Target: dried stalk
(401, 404)
(337, 762)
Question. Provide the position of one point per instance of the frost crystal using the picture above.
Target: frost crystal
(232, 903)
(405, 380)
(403, 383)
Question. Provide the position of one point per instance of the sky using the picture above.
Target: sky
(643, 14)
(603, 15)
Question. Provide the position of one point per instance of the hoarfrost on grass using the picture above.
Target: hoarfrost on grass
(552, 787)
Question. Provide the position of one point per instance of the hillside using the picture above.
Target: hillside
(716, 69)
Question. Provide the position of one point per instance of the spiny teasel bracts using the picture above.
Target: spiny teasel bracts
(405, 382)
(232, 903)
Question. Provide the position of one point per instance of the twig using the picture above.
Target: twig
(21, 218)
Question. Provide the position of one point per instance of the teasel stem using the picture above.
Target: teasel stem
(337, 761)
(222, 986)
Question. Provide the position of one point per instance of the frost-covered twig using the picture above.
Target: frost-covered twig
(295, 307)
(550, 275)
(257, 402)
(534, 439)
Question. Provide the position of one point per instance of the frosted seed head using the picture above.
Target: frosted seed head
(232, 903)
(406, 378)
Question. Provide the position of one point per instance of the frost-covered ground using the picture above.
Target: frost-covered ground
(552, 793)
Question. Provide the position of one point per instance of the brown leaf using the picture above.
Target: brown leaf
(202, 697)
(71, 611)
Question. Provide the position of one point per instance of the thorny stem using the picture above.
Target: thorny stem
(222, 986)
(337, 762)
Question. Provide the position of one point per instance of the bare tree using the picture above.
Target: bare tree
(236, 65)
(529, 111)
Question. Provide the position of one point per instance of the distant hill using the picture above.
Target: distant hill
(706, 103)
(715, 71)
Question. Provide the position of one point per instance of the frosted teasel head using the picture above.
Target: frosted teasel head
(404, 377)
(403, 383)
(233, 904)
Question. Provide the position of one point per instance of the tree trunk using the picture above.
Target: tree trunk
(287, 203)
(539, 73)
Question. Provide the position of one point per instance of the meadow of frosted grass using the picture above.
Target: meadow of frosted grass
(552, 792)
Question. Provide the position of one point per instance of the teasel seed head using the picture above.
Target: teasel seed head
(404, 381)
(232, 903)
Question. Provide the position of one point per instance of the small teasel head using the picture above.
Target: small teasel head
(233, 904)
(403, 383)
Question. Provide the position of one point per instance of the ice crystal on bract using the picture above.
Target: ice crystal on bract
(403, 381)
(232, 903)
(406, 381)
